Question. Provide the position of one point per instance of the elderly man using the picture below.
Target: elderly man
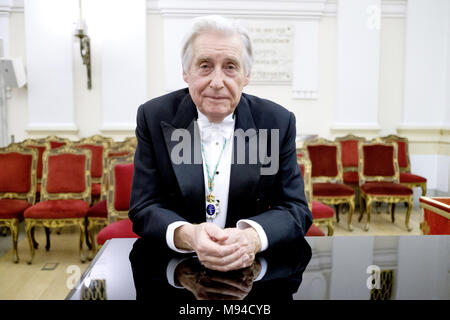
(224, 209)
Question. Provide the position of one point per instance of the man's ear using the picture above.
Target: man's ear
(185, 77)
(247, 79)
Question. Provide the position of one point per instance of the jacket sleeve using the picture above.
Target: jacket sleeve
(148, 206)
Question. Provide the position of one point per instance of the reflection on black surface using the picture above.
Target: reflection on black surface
(192, 281)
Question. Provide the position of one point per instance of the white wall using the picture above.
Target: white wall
(153, 48)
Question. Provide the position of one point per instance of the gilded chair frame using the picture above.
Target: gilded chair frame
(407, 169)
(328, 222)
(50, 139)
(31, 223)
(98, 138)
(93, 141)
(113, 213)
(94, 222)
(132, 141)
(29, 144)
(30, 196)
(390, 199)
(333, 200)
(349, 137)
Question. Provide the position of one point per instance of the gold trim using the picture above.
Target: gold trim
(438, 211)
(30, 196)
(113, 214)
(67, 149)
(84, 144)
(50, 139)
(323, 142)
(425, 227)
(395, 139)
(13, 225)
(54, 223)
(363, 178)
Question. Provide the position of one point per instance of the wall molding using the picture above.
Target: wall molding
(304, 9)
(51, 128)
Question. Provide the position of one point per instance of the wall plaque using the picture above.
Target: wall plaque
(272, 52)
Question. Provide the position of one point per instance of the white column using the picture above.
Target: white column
(5, 8)
(49, 27)
(306, 53)
(123, 62)
(427, 73)
(357, 64)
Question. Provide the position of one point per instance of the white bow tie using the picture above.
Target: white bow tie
(210, 130)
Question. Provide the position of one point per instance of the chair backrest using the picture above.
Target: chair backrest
(18, 168)
(305, 168)
(122, 151)
(98, 138)
(56, 142)
(131, 141)
(402, 151)
(378, 162)
(40, 145)
(120, 179)
(66, 174)
(325, 157)
(349, 151)
(98, 151)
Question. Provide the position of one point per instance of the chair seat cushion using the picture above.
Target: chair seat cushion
(58, 209)
(98, 210)
(351, 177)
(118, 229)
(12, 208)
(96, 189)
(386, 188)
(315, 231)
(321, 211)
(332, 190)
(406, 177)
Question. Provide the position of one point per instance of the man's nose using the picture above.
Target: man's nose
(217, 79)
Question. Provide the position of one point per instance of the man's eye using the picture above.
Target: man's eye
(203, 66)
(231, 67)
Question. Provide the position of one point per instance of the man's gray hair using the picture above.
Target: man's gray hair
(220, 24)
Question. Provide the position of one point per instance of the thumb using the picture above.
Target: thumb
(216, 233)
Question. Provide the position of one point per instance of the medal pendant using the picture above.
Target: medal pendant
(212, 207)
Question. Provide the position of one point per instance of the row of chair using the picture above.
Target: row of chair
(379, 170)
(55, 182)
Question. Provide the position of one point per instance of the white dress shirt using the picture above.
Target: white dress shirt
(212, 137)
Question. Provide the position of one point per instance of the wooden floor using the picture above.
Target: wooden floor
(24, 281)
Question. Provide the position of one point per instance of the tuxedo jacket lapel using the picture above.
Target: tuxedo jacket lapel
(189, 174)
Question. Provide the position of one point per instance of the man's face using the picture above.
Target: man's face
(216, 75)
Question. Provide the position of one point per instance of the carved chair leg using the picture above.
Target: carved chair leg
(15, 236)
(90, 234)
(330, 227)
(47, 238)
(29, 231)
(361, 208)
(35, 243)
(82, 235)
(423, 186)
(369, 211)
(393, 212)
(408, 214)
(350, 214)
(87, 235)
(336, 207)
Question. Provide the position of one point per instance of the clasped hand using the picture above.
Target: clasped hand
(219, 249)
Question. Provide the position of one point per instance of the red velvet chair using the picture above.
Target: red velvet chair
(17, 187)
(327, 176)
(406, 177)
(98, 150)
(379, 179)
(56, 142)
(65, 193)
(314, 231)
(350, 159)
(118, 200)
(436, 215)
(321, 213)
(97, 215)
(40, 145)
